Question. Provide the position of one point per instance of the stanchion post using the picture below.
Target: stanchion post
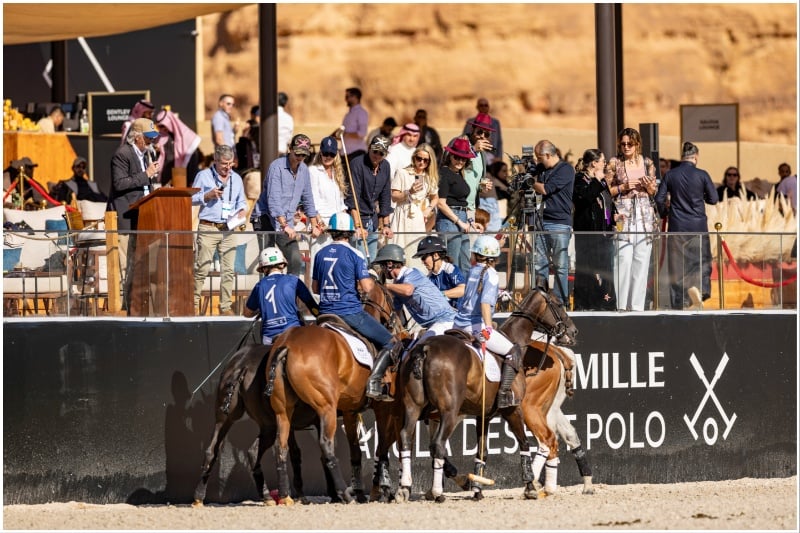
(720, 275)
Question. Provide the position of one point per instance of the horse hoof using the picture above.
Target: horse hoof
(530, 492)
(588, 490)
(347, 495)
(477, 496)
(286, 501)
(270, 503)
(197, 503)
(438, 498)
(402, 495)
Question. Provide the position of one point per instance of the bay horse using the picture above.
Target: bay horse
(316, 366)
(442, 374)
(548, 382)
(241, 390)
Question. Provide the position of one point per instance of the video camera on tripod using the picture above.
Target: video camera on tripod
(526, 174)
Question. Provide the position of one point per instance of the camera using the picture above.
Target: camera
(526, 170)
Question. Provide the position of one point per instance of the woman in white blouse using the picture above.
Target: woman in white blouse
(328, 188)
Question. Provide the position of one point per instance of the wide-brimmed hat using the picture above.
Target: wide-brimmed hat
(483, 121)
(461, 148)
(25, 161)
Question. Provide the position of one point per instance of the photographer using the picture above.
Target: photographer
(555, 183)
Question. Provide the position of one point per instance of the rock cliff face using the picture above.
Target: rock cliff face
(535, 63)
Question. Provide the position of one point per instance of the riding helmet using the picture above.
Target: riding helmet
(341, 222)
(270, 257)
(391, 252)
(486, 245)
(429, 245)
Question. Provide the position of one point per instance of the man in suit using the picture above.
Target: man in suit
(133, 168)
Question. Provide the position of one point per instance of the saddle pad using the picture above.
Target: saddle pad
(359, 349)
(492, 368)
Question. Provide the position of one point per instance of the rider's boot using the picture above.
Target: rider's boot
(375, 382)
(511, 364)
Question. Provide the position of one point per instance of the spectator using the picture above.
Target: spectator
(248, 150)
(131, 173)
(594, 254)
(452, 221)
(498, 172)
(689, 188)
(489, 197)
(427, 134)
(52, 121)
(495, 137)
(415, 194)
(177, 146)
(664, 166)
(384, 130)
(403, 145)
(555, 183)
(287, 185)
(79, 185)
(285, 124)
(631, 179)
(475, 172)
(223, 128)
(223, 207)
(339, 271)
(11, 173)
(371, 197)
(141, 109)
(787, 186)
(446, 276)
(275, 297)
(732, 186)
(328, 189)
(355, 124)
(254, 120)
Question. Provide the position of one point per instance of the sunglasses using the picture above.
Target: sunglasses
(421, 159)
(378, 152)
(457, 158)
(627, 144)
(734, 174)
(480, 133)
(328, 154)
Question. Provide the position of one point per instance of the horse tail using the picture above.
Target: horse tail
(277, 359)
(231, 386)
(419, 356)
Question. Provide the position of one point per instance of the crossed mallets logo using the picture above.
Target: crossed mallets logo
(710, 429)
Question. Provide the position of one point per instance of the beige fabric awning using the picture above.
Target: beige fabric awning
(33, 23)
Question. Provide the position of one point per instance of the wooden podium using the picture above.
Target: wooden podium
(163, 272)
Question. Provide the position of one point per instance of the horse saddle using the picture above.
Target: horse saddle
(472, 342)
(363, 350)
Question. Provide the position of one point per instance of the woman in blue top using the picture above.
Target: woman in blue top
(477, 307)
(275, 297)
(443, 273)
(338, 270)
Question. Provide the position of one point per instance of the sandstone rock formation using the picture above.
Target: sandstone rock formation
(534, 62)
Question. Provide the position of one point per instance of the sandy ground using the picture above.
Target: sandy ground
(755, 504)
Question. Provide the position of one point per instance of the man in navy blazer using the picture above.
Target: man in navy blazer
(133, 166)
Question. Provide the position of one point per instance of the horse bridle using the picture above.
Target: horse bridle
(389, 316)
(557, 330)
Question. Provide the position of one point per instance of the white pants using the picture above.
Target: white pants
(631, 269)
(437, 328)
(497, 343)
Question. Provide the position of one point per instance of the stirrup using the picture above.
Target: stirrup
(378, 393)
(506, 399)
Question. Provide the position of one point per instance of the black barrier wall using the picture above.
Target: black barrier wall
(102, 411)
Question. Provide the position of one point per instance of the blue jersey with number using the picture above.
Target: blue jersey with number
(337, 269)
(426, 305)
(469, 311)
(276, 297)
(449, 276)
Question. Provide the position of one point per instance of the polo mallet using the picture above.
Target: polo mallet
(231, 352)
(353, 190)
(475, 477)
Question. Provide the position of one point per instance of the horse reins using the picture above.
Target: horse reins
(556, 331)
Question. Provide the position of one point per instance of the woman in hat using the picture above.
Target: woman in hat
(328, 188)
(415, 194)
(452, 221)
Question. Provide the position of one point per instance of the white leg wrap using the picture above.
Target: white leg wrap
(539, 460)
(551, 476)
(405, 475)
(438, 472)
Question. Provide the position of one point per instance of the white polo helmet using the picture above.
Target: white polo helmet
(341, 222)
(270, 257)
(486, 245)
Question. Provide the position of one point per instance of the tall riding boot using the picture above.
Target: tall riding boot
(505, 396)
(374, 384)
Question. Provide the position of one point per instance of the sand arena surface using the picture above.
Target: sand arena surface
(755, 504)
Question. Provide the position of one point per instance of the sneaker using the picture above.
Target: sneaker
(226, 312)
(694, 296)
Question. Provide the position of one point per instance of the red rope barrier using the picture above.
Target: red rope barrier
(750, 280)
(39, 188)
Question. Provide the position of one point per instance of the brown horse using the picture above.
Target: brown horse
(241, 390)
(442, 374)
(316, 366)
(548, 382)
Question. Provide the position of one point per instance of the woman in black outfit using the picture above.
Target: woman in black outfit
(594, 253)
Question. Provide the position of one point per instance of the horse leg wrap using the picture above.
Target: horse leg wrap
(551, 476)
(478, 471)
(283, 472)
(271, 381)
(539, 460)
(583, 463)
(438, 472)
(381, 477)
(405, 473)
(355, 482)
(527, 468)
(332, 465)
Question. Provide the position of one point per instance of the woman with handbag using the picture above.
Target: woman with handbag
(631, 179)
